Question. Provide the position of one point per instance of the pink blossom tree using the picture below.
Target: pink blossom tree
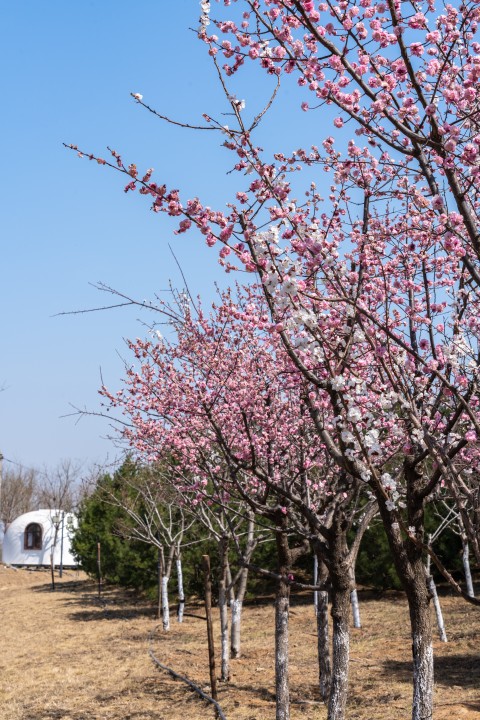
(226, 393)
(374, 289)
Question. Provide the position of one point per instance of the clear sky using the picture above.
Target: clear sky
(68, 70)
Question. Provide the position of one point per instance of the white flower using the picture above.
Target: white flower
(338, 382)
(387, 401)
(204, 19)
(388, 482)
(290, 286)
(137, 96)
(354, 414)
(390, 505)
(347, 436)
(371, 438)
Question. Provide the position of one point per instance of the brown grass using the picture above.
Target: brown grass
(67, 657)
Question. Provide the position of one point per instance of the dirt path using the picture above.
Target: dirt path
(67, 657)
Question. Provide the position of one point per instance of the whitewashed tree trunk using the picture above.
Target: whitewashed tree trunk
(236, 610)
(237, 601)
(466, 567)
(355, 609)
(235, 605)
(438, 609)
(340, 649)
(165, 604)
(466, 558)
(181, 593)
(436, 600)
(160, 572)
(236, 627)
(422, 650)
(166, 572)
(422, 664)
(223, 609)
(282, 692)
(282, 610)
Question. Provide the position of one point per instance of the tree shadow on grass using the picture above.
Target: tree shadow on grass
(459, 670)
(106, 612)
(113, 604)
(64, 586)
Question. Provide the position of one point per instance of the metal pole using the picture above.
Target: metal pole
(60, 574)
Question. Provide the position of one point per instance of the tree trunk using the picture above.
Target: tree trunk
(340, 647)
(181, 593)
(166, 572)
(52, 570)
(320, 575)
(222, 605)
(282, 607)
(323, 645)
(420, 619)
(236, 627)
(237, 602)
(165, 604)
(208, 612)
(466, 566)
(160, 560)
(438, 609)
(357, 623)
(407, 556)
(432, 588)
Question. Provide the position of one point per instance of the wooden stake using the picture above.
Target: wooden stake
(208, 610)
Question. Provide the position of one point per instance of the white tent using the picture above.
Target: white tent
(29, 538)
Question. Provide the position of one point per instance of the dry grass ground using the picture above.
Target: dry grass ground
(66, 657)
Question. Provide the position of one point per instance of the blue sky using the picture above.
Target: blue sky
(68, 70)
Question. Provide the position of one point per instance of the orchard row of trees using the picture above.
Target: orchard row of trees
(225, 416)
(345, 381)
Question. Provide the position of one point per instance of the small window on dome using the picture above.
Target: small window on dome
(33, 537)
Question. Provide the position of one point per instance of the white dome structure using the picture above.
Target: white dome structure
(29, 538)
